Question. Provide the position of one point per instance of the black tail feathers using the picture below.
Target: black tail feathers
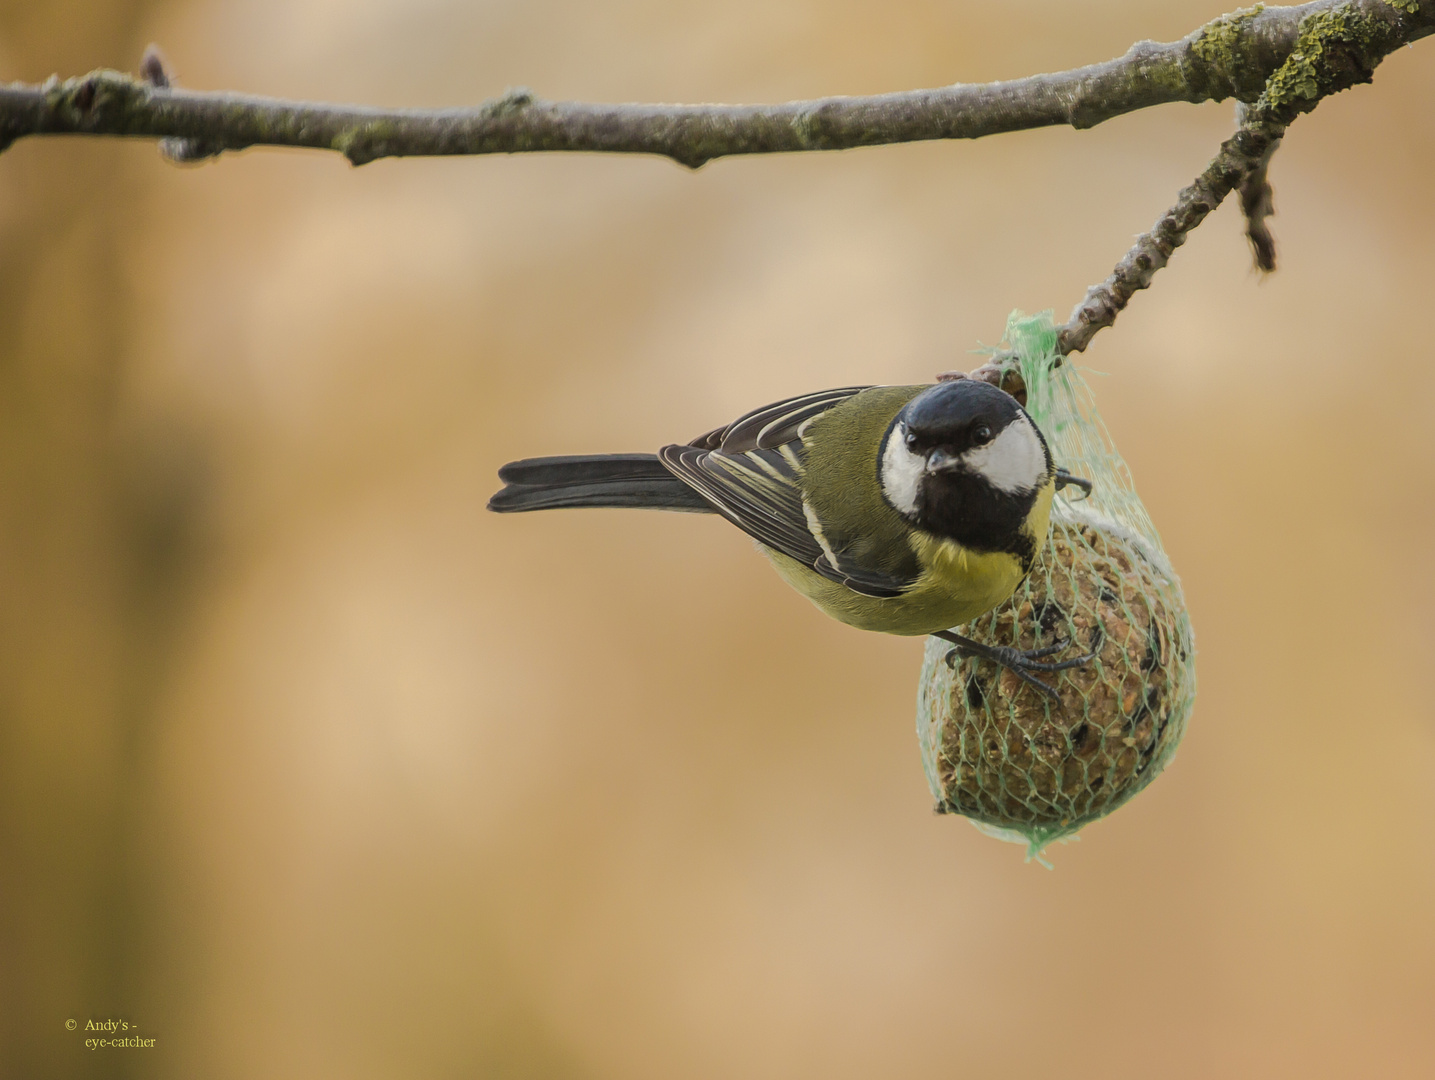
(619, 480)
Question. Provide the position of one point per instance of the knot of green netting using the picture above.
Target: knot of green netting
(1019, 764)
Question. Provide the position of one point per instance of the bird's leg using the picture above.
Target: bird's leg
(1020, 663)
(1065, 479)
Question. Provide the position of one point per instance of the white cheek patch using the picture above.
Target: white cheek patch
(1013, 462)
(901, 472)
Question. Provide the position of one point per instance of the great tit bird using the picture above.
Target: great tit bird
(903, 509)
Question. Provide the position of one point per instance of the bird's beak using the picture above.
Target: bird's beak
(941, 461)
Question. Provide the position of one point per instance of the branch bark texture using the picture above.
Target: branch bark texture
(1236, 56)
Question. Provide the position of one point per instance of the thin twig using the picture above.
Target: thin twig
(155, 72)
(1233, 56)
(1258, 204)
(1335, 50)
(1240, 156)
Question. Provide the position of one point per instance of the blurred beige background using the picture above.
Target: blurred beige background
(309, 767)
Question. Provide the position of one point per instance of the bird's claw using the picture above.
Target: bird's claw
(1066, 479)
(1019, 662)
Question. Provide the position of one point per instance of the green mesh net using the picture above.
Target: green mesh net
(1020, 765)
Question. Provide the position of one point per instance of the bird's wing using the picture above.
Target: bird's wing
(751, 472)
(774, 425)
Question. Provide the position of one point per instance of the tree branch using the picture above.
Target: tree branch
(1278, 62)
(1233, 56)
(1257, 204)
(1241, 156)
(1337, 47)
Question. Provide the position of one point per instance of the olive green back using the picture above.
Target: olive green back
(843, 488)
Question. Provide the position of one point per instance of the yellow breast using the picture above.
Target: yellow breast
(960, 587)
(955, 586)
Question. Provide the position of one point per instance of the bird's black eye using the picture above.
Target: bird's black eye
(911, 440)
(981, 435)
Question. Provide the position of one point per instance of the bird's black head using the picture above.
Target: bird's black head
(963, 460)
